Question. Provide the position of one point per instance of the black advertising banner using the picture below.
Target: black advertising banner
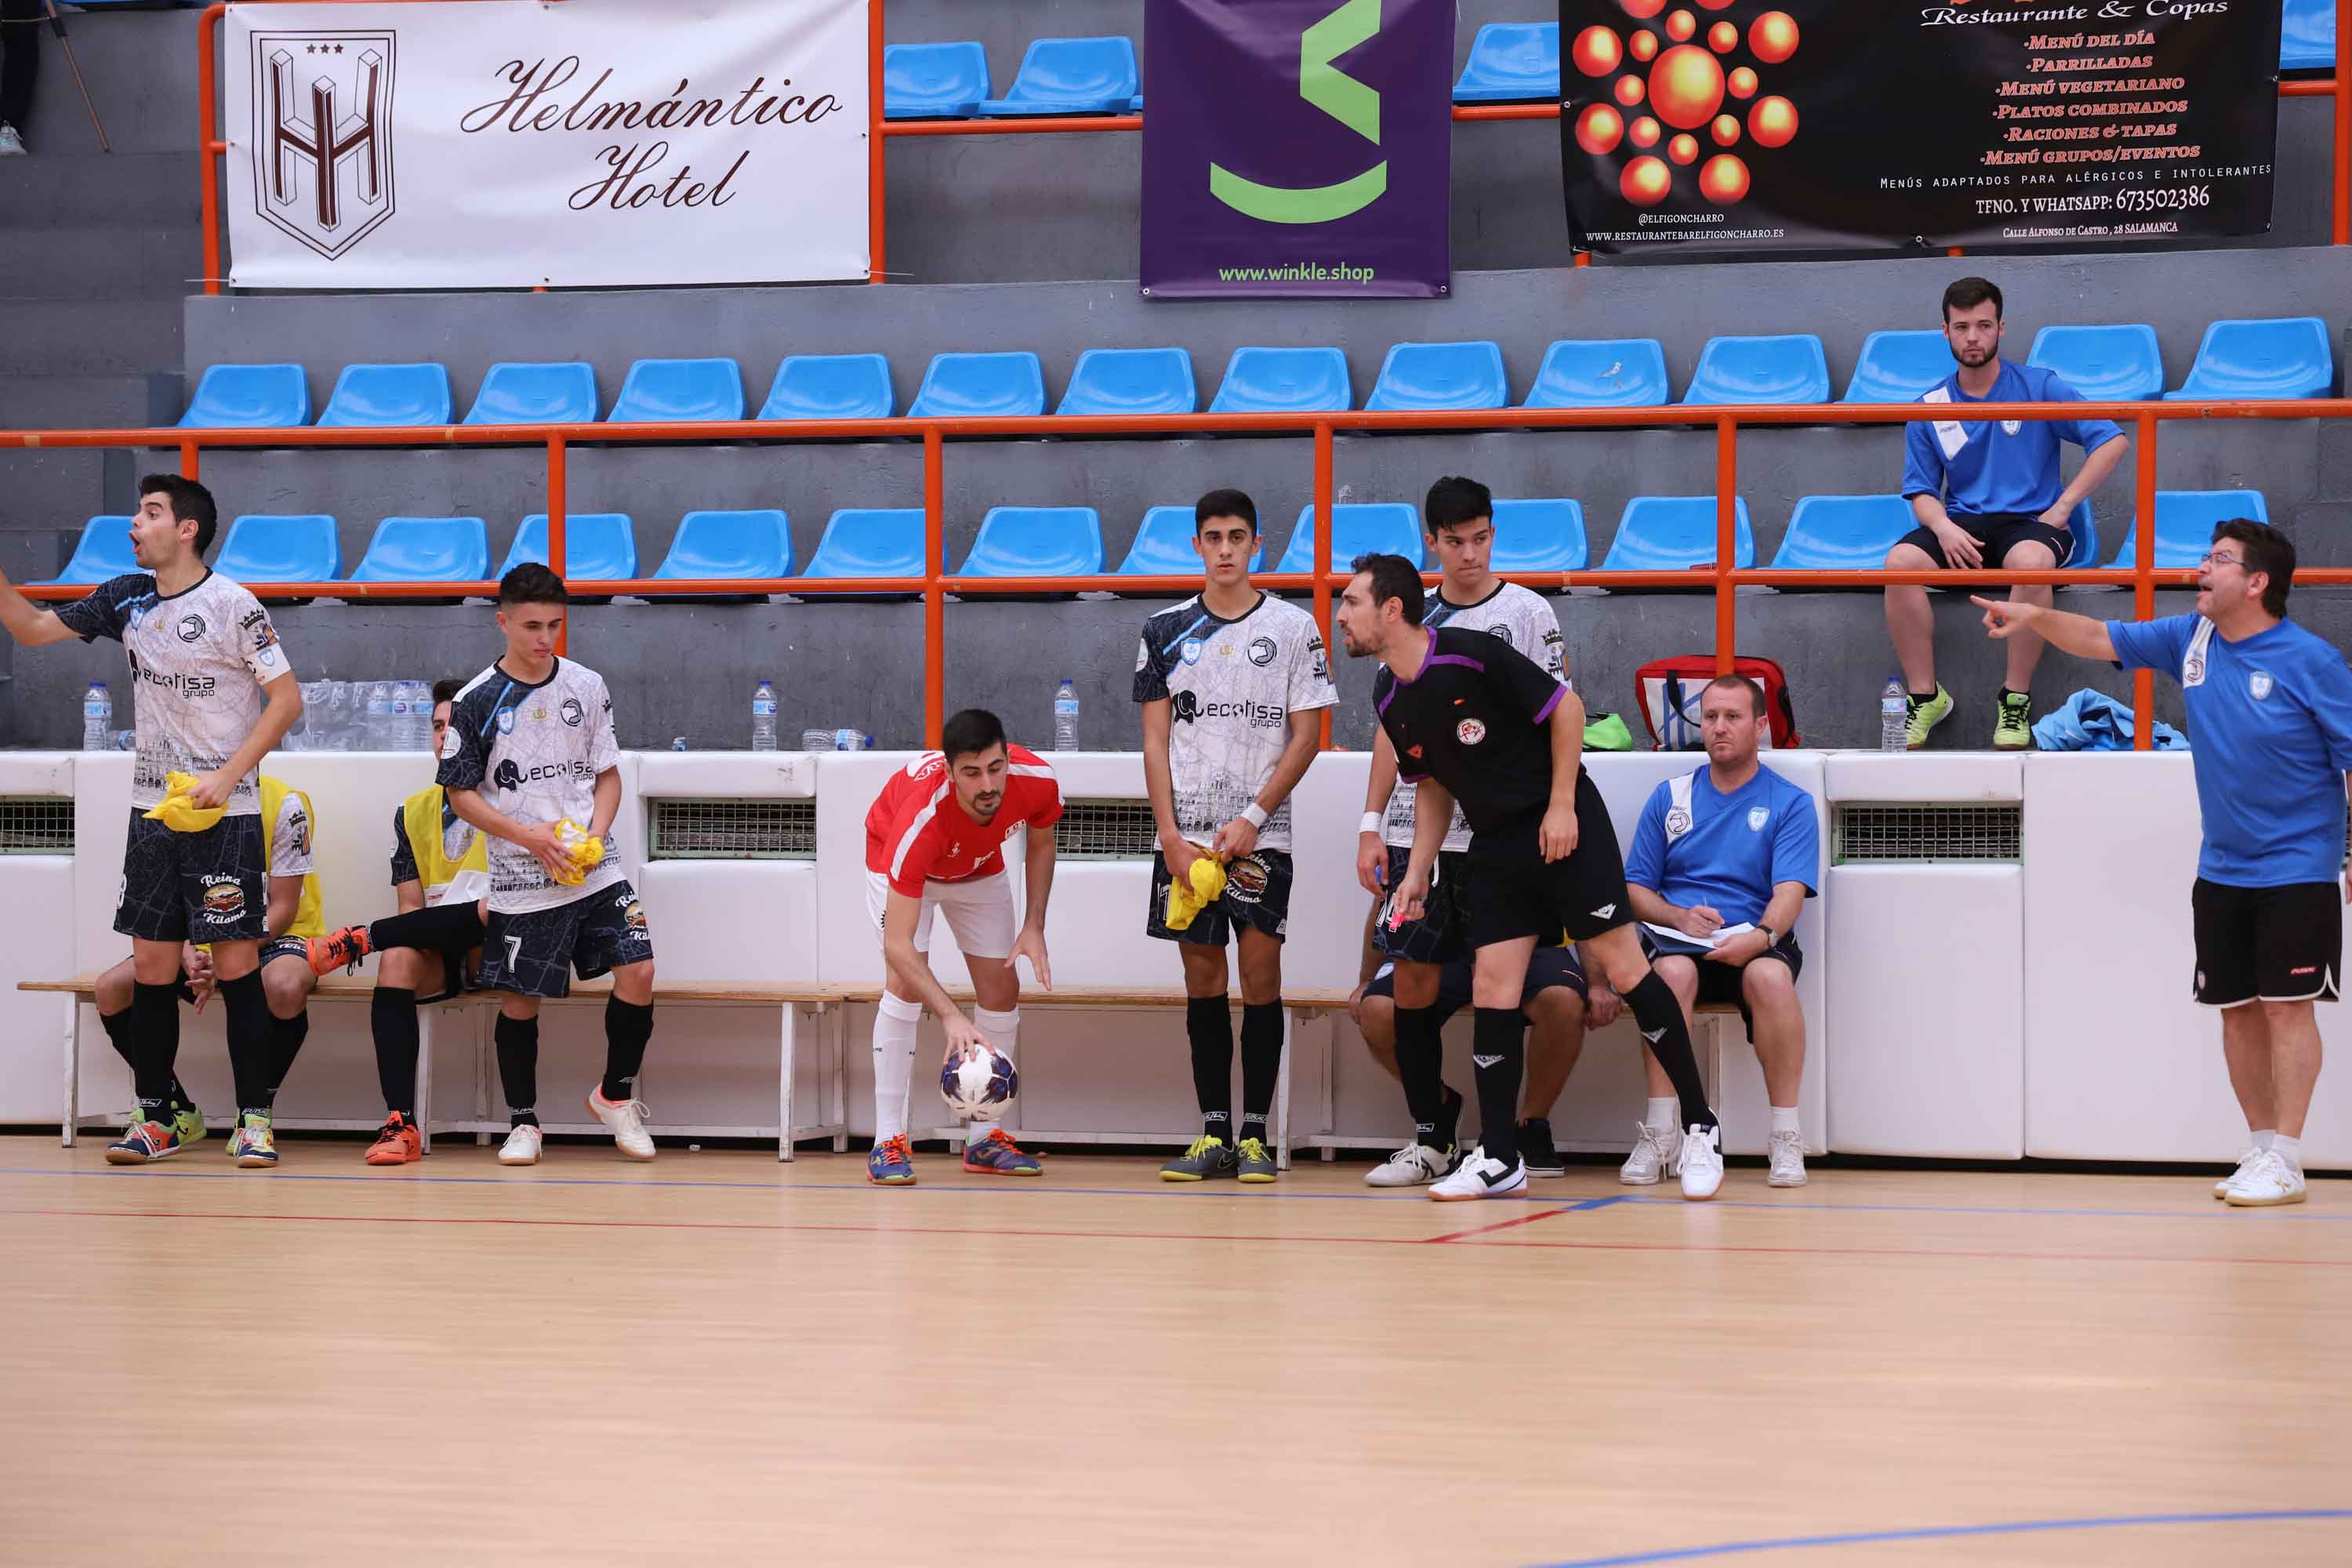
(1735, 125)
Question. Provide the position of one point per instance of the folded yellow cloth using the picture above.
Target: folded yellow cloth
(1187, 899)
(587, 853)
(177, 811)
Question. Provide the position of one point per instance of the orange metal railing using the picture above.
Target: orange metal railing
(2142, 419)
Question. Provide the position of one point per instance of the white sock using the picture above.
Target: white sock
(1784, 1119)
(1663, 1115)
(2264, 1137)
(1000, 1028)
(2288, 1149)
(894, 1063)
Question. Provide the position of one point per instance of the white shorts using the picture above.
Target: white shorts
(979, 910)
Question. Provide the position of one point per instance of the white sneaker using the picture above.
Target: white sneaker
(1655, 1150)
(2222, 1188)
(1788, 1153)
(2267, 1182)
(521, 1147)
(1702, 1161)
(1414, 1165)
(1480, 1177)
(627, 1121)
(11, 144)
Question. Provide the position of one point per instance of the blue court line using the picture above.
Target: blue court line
(2218, 1211)
(1944, 1532)
(1591, 1203)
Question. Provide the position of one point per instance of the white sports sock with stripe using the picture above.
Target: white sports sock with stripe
(894, 1022)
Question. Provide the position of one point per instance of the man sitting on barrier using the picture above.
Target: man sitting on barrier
(1724, 859)
(1987, 493)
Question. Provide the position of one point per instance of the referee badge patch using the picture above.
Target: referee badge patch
(1470, 731)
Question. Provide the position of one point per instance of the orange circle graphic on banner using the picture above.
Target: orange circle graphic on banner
(1629, 90)
(1645, 182)
(1727, 130)
(1597, 51)
(1598, 129)
(1642, 10)
(1644, 45)
(1644, 132)
(1722, 37)
(1772, 121)
(1724, 180)
(1684, 149)
(1686, 86)
(1714, 5)
(1743, 83)
(1773, 38)
(1681, 26)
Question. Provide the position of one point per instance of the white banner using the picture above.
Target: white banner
(505, 143)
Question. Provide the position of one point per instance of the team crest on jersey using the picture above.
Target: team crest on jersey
(1470, 731)
(224, 901)
(1500, 633)
(1320, 662)
(1192, 650)
(506, 721)
(1757, 817)
(191, 626)
(572, 713)
(1261, 652)
(2258, 683)
(2011, 427)
(1679, 822)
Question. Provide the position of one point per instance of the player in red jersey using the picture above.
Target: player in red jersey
(935, 844)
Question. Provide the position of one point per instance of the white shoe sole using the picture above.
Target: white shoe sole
(618, 1147)
(1471, 1197)
(1799, 1180)
(2238, 1200)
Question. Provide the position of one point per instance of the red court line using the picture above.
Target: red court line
(1498, 1225)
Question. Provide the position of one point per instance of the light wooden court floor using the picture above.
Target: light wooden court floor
(714, 1359)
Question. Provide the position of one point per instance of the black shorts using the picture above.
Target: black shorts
(1521, 894)
(461, 971)
(1721, 984)
(1442, 934)
(2269, 945)
(1550, 966)
(1256, 895)
(535, 952)
(2000, 533)
(204, 886)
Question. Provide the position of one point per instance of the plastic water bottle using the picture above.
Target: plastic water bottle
(417, 734)
(763, 718)
(1065, 717)
(382, 719)
(1893, 716)
(395, 736)
(851, 741)
(97, 718)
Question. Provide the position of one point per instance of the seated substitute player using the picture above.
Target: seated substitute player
(1730, 843)
(1987, 493)
(212, 694)
(1476, 721)
(286, 823)
(1230, 681)
(529, 747)
(935, 844)
(1459, 514)
(2270, 720)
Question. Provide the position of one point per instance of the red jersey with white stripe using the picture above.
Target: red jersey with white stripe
(917, 831)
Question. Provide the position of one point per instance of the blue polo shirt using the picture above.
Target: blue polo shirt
(1983, 467)
(2269, 730)
(1736, 847)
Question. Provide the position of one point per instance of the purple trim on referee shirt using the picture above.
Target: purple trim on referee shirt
(1543, 714)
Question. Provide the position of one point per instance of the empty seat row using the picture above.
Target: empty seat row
(2269, 358)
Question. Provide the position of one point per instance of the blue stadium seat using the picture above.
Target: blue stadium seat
(872, 541)
(1601, 373)
(1284, 381)
(374, 395)
(1163, 546)
(1511, 61)
(596, 544)
(1845, 533)
(249, 397)
(933, 82)
(2289, 357)
(1072, 76)
(831, 387)
(1441, 375)
(1539, 536)
(1131, 381)
(2119, 363)
(679, 389)
(104, 551)
(2307, 36)
(1673, 533)
(426, 549)
(264, 548)
(976, 386)
(518, 394)
(1788, 368)
(1899, 367)
(1037, 541)
(1360, 529)
(2184, 523)
(1135, 104)
(712, 546)
(2085, 529)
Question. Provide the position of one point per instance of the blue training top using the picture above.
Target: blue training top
(2270, 733)
(1983, 467)
(1734, 849)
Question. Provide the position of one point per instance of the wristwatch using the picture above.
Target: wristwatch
(1771, 937)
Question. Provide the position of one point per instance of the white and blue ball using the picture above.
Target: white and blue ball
(978, 1085)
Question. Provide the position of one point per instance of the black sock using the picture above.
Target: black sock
(1449, 1114)
(118, 1033)
(287, 1036)
(252, 1053)
(1420, 1064)
(1659, 1019)
(518, 1043)
(2006, 694)
(154, 1047)
(1499, 1052)
(627, 1027)
(445, 928)
(1261, 1065)
(1209, 1025)
(1915, 699)
(392, 1019)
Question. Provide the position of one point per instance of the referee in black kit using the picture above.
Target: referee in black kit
(1474, 720)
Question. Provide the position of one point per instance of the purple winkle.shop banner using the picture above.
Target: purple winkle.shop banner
(1297, 148)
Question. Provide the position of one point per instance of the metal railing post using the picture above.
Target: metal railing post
(2143, 574)
(1322, 564)
(209, 145)
(1726, 536)
(935, 588)
(557, 556)
(190, 467)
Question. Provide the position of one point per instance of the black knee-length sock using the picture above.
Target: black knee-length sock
(287, 1036)
(1659, 1019)
(154, 1047)
(627, 1027)
(518, 1043)
(1498, 1053)
(120, 1032)
(1209, 1025)
(1261, 1065)
(252, 1035)
(445, 928)
(1420, 1054)
(392, 1019)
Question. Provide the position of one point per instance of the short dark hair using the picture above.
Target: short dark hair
(1224, 503)
(1968, 294)
(974, 730)
(2268, 552)
(190, 502)
(445, 689)
(532, 582)
(1393, 577)
(1743, 683)
(1454, 500)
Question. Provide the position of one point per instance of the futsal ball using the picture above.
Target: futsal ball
(978, 1085)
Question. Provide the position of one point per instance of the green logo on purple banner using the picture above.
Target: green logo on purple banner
(1345, 100)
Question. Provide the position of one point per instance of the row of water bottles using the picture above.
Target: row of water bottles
(364, 716)
(763, 725)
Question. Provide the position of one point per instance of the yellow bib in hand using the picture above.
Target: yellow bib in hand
(178, 813)
(1205, 885)
(587, 853)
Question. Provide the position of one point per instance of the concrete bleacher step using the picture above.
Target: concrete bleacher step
(113, 260)
(89, 402)
(79, 190)
(91, 337)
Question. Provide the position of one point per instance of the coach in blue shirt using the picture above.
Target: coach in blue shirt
(2270, 727)
(1731, 844)
(1987, 493)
